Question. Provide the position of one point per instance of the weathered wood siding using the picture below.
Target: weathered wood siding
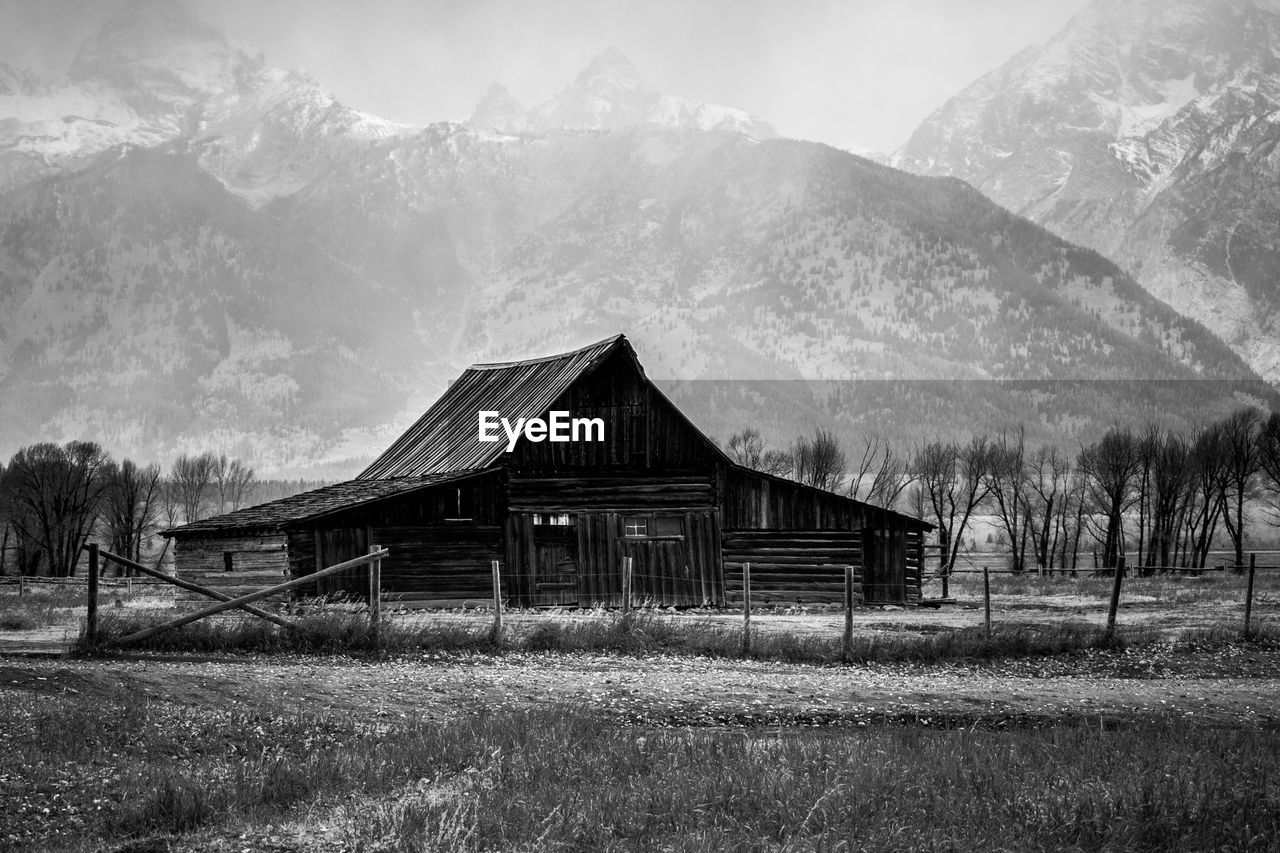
(892, 566)
(672, 489)
(448, 563)
(581, 564)
(755, 501)
(442, 540)
(642, 429)
(792, 566)
(915, 566)
(256, 562)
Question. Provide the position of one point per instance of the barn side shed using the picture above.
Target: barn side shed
(441, 531)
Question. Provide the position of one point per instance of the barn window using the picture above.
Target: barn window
(226, 561)
(635, 525)
(553, 519)
(666, 526)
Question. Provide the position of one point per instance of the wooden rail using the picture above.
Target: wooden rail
(253, 596)
(193, 587)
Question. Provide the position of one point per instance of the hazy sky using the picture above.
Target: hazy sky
(857, 73)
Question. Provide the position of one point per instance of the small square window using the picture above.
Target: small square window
(635, 525)
(227, 561)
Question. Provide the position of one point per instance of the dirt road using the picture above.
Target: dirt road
(1223, 686)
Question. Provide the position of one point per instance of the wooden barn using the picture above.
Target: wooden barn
(561, 515)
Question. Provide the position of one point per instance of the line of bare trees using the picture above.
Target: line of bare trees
(1154, 496)
(53, 498)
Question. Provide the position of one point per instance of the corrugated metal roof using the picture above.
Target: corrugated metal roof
(446, 437)
(307, 506)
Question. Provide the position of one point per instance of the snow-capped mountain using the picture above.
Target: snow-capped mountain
(155, 74)
(1146, 129)
(255, 267)
(610, 95)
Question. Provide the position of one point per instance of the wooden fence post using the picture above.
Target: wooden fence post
(91, 622)
(497, 603)
(986, 598)
(1115, 594)
(846, 644)
(375, 597)
(746, 608)
(1248, 594)
(626, 586)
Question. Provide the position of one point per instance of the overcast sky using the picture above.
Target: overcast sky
(857, 73)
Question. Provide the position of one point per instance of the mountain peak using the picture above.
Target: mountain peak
(610, 70)
(609, 94)
(498, 110)
(159, 46)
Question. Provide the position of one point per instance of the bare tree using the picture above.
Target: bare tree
(130, 506)
(1073, 515)
(52, 496)
(1205, 487)
(1048, 473)
(882, 475)
(819, 461)
(1239, 446)
(1146, 448)
(4, 531)
(1269, 463)
(233, 481)
(1008, 483)
(747, 448)
(1169, 474)
(1110, 467)
(192, 477)
(953, 483)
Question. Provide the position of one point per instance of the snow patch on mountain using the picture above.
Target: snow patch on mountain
(1127, 132)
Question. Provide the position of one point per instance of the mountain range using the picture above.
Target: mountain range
(200, 250)
(1147, 130)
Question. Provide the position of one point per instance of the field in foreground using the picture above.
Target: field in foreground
(1163, 747)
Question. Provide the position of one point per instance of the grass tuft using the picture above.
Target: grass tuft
(638, 633)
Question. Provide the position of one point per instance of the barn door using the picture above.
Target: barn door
(884, 566)
(660, 572)
(555, 571)
(337, 545)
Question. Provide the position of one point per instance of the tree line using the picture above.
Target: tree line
(1153, 495)
(53, 498)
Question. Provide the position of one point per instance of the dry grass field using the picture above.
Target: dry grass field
(587, 732)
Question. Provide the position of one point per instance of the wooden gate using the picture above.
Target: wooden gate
(224, 602)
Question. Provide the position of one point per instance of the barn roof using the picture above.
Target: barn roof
(308, 506)
(445, 438)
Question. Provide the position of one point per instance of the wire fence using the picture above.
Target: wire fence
(1238, 598)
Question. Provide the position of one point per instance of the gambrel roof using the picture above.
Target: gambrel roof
(445, 438)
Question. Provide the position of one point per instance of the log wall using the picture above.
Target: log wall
(256, 562)
(792, 566)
